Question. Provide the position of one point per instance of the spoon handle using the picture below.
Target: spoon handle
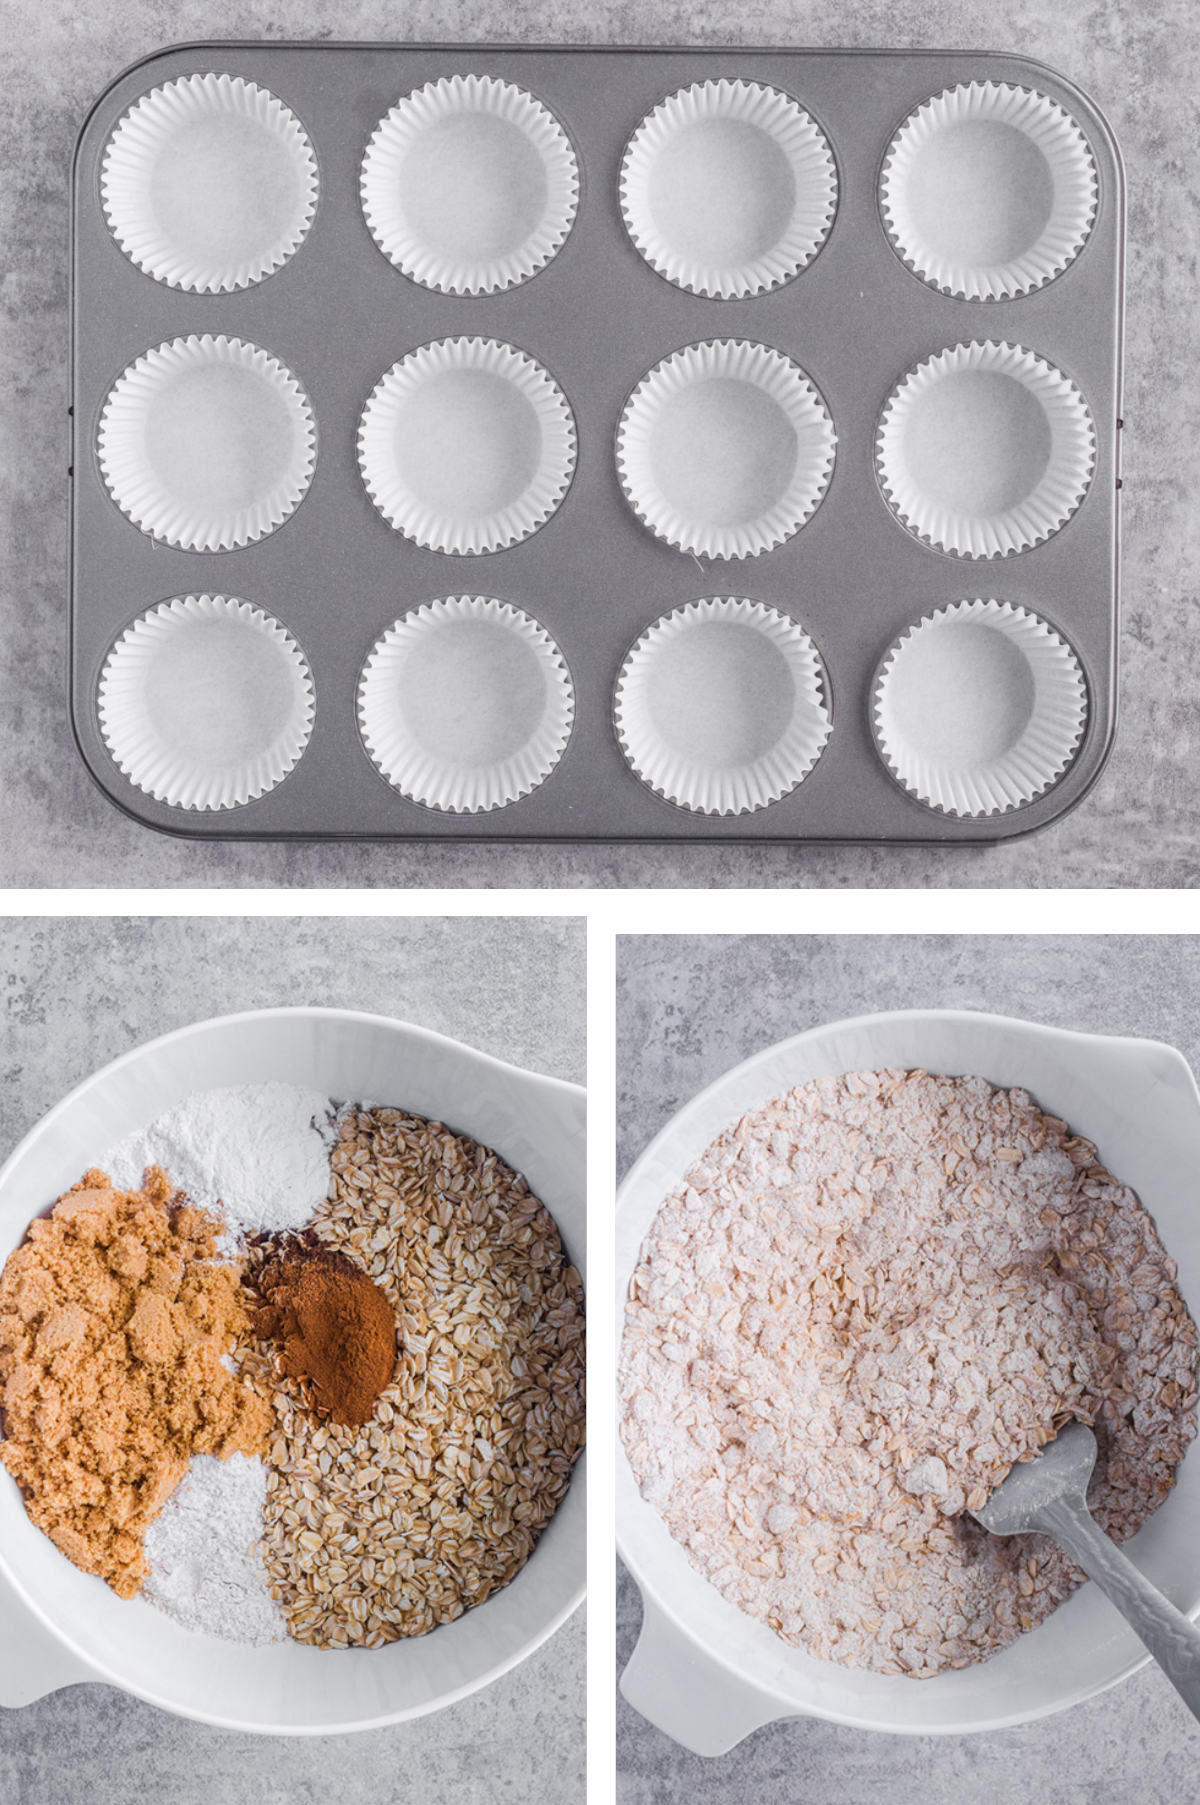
(1172, 1638)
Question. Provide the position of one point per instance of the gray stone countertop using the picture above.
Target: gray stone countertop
(75, 994)
(1139, 827)
(688, 1010)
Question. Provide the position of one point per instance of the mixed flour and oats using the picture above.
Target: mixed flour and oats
(866, 1301)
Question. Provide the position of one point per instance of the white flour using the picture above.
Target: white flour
(204, 1570)
(258, 1154)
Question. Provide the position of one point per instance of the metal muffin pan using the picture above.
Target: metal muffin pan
(597, 317)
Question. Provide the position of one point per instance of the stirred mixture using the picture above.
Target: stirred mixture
(865, 1302)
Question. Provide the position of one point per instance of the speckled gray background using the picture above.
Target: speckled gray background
(1140, 826)
(687, 1010)
(73, 995)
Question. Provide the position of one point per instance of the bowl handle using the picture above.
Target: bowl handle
(674, 1684)
(32, 1661)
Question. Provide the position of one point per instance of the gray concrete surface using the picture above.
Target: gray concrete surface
(690, 1008)
(73, 995)
(1141, 826)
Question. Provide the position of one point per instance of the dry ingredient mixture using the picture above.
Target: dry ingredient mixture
(412, 1338)
(866, 1301)
(384, 1531)
(114, 1317)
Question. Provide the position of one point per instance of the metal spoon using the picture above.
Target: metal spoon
(1049, 1493)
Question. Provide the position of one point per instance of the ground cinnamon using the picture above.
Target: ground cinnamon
(334, 1327)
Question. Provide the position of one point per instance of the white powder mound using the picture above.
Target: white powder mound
(258, 1153)
(205, 1571)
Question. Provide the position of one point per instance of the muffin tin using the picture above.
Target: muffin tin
(682, 464)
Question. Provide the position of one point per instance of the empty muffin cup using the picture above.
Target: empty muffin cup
(725, 449)
(466, 445)
(721, 706)
(979, 708)
(209, 183)
(207, 443)
(985, 450)
(466, 704)
(469, 185)
(728, 189)
(205, 702)
(988, 191)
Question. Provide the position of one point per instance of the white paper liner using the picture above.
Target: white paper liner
(989, 191)
(979, 708)
(207, 443)
(209, 183)
(725, 449)
(469, 185)
(985, 450)
(720, 707)
(205, 702)
(728, 189)
(465, 704)
(466, 445)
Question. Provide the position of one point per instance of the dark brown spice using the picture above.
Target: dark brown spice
(334, 1327)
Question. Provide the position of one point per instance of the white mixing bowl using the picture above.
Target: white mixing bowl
(707, 1674)
(59, 1626)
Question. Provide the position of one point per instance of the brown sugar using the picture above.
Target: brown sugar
(334, 1327)
(114, 1316)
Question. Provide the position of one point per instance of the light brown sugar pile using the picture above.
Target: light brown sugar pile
(114, 1317)
(866, 1301)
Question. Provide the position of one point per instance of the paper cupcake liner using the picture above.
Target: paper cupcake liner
(209, 184)
(466, 446)
(979, 708)
(465, 704)
(728, 189)
(725, 449)
(469, 185)
(720, 707)
(205, 702)
(207, 443)
(988, 191)
(985, 450)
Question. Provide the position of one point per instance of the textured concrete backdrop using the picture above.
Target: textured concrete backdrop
(1140, 826)
(75, 994)
(688, 1010)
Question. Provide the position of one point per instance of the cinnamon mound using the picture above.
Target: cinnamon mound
(334, 1328)
(113, 1320)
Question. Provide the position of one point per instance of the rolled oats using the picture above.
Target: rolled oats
(387, 1530)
